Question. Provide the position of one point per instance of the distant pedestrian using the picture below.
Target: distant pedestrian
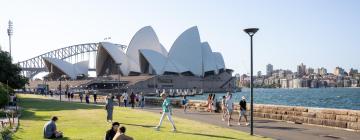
(223, 108)
(209, 103)
(184, 103)
(142, 100)
(213, 103)
(68, 95)
(95, 97)
(137, 101)
(72, 96)
(81, 96)
(87, 98)
(166, 110)
(125, 98)
(112, 131)
(118, 97)
(132, 99)
(109, 106)
(229, 107)
(242, 104)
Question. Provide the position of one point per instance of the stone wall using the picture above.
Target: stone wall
(340, 118)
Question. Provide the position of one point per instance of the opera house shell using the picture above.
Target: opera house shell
(146, 55)
(58, 67)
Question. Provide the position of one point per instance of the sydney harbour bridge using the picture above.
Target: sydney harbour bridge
(73, 54)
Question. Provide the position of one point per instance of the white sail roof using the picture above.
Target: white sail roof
(219, 60)
(145, 38)
(187, 51)
(209, 63)
(156, 60)
(67, 68)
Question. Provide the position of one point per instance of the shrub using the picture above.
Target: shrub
(4, 132)
(4, 95)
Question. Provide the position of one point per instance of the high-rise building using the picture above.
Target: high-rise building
(269, 69)
(322, 71)
(301, 69)
(259, 73)
(353, 72)
(310, 71)
(339, 71)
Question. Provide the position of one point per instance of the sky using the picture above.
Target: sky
(318, 33)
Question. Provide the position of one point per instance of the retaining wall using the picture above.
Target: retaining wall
(340, 118)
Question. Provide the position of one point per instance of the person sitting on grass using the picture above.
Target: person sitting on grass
(50, 131)
(120, 135)
(112, 131)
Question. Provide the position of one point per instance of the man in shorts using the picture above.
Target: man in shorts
(229, 107)
(242, 104)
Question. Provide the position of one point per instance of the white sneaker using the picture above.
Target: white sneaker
(247, 124)
(157, 128)
(239, 123)
(174, 129)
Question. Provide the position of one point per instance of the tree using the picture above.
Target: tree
(4, 94)
(10, 73)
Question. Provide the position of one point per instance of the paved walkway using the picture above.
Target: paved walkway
(280, 130)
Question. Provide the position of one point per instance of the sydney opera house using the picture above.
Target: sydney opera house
(190, 62)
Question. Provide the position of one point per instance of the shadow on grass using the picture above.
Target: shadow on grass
(208, 135)
(53, 105)
(147, 126)
(31, 105)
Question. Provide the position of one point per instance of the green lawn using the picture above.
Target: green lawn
(87, 122)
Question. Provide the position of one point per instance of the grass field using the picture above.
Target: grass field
(87, 122)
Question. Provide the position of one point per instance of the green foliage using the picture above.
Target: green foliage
(10, 73)
(4, 132)
(4, 95)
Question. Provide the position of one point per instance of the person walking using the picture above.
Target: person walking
(109, 106)
(132, 99)
(209, 103)
(229, 107)
(87, 98)
(125, 98)
(95, 97)
(242, 104)
(166, 110)
(213, 103)
(142, 100)
(184, 103)
(223, 108)
(81, 96)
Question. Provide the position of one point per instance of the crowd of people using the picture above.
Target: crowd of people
(138, 100)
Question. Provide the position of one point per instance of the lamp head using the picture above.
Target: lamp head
(251, 31)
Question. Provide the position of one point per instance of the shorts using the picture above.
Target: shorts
(242, 113)
(229, 110)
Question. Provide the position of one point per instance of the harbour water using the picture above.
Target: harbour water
(342, 98)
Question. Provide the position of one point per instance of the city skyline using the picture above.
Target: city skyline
(309, 32)
(315, 69)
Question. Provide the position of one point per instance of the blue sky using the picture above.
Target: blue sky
(319, 33)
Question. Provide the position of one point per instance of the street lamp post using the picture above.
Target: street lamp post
(10, 33)
(61, 77)
(251, 32)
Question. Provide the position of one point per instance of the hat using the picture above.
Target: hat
(162, 94)
(243, 97)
